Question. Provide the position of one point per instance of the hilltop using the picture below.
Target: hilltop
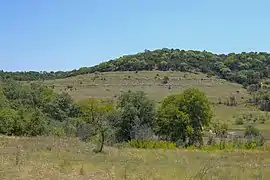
(244, 68)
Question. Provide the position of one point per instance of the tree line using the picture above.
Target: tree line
(32, 110)
(244, 68)
(36, 110)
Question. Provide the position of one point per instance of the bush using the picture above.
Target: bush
(8, 118)
(250, 144)
(70, 86)
(71, 125)
(147, 144)
(211, 141)
(85, 132)
(251, 131)
(165, 80)
(55, 128)
(239, 121)
(36, 124)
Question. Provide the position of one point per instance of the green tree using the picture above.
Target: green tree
(136, 110)
(96, 112)
(61, 107)
(182, 116)
(36, 125)
(3, 100)
(27, 109)
(8, 119)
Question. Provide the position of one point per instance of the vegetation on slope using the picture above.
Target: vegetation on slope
(33, 110)
(244, 68)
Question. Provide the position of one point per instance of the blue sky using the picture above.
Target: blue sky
(68, 34)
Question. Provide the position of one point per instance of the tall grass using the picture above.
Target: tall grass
(69, 158)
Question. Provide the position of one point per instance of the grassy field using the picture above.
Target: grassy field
(112, 84)
(53, 158)
(69, 158)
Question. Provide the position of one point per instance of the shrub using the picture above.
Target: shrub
(211, 141)
(191, 147)
(69, 86)
(239, 121)
(165, 80)
(8, 117)
(148, 144)
(36, 125)
(251, 131)
(250, 144)
(55, 128)
(71, 125)
(254, 137)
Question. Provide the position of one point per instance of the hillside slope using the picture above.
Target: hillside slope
(244, 68)
(111, 84)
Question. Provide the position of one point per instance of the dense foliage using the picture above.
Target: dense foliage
(137, 114)
(182, 116)
(244, 68)
(32, 109)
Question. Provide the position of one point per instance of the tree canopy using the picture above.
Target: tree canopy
(244, 68)
(137, 112)
(182, 116)
(31, 109)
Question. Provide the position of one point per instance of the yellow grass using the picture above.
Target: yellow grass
(53, 158)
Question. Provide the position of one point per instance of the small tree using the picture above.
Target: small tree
(220, 129)
(95, 113)
(182, 116)
(253, 135)
(8, 117)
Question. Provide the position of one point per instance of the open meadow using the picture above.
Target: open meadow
(68, 159)
(53, 157)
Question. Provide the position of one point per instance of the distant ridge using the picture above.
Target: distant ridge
(244, 68)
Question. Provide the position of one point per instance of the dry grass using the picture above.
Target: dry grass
(53, 158)
(113, 83)
(50, 158)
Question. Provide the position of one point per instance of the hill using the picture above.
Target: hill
(165, 71)
(220, 76)
(244, 68)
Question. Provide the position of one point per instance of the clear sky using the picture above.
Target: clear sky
(68, 34)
